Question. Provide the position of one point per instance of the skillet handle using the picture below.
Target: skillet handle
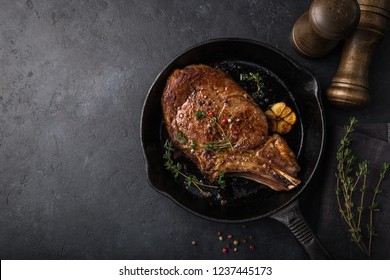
(292, 218)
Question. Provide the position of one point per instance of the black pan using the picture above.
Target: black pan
(244, 200)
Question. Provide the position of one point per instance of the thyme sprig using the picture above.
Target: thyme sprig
(347, 183)
(215, 146)
(189, 179)
(254, 77)
(225, 140)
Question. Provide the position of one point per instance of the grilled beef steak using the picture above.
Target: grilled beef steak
(221, 129)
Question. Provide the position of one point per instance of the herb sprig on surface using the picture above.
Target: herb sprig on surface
(352, 176)
(254, 77)
(189, 179)
(220, 145)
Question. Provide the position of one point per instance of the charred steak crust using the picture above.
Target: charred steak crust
(221, 129)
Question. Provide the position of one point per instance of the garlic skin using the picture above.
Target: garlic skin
(281, 118)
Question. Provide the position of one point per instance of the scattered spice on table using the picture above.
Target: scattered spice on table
(230, 244)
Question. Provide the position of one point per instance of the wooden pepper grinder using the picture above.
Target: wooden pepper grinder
(322, 27)
(349, 88)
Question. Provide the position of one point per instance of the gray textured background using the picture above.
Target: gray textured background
(73, 79)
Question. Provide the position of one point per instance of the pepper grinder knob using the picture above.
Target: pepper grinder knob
(321, 28)
(349, 88)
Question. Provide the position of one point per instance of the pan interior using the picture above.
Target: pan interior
(283, 80)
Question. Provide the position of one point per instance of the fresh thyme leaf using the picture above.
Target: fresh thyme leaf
(386, 166)
(254, 77)
(244, 77)
(221, 180)
(169, 149)
(182, 138)
(200, 115)
(214, 120)
(191, 180)
(211, 146)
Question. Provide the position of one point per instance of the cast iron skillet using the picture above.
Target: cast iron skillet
(244, 200)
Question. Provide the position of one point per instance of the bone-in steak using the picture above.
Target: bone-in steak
(221, 129)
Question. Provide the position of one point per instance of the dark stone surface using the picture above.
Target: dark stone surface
(73, 79)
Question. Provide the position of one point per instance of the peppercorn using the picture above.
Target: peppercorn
(225, 250)
(230, 236)
(193, 242)
(224, 121)
(236, 242)
(220, 238)
(252, 247)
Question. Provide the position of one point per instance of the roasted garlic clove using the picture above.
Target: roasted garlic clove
(281, 118)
